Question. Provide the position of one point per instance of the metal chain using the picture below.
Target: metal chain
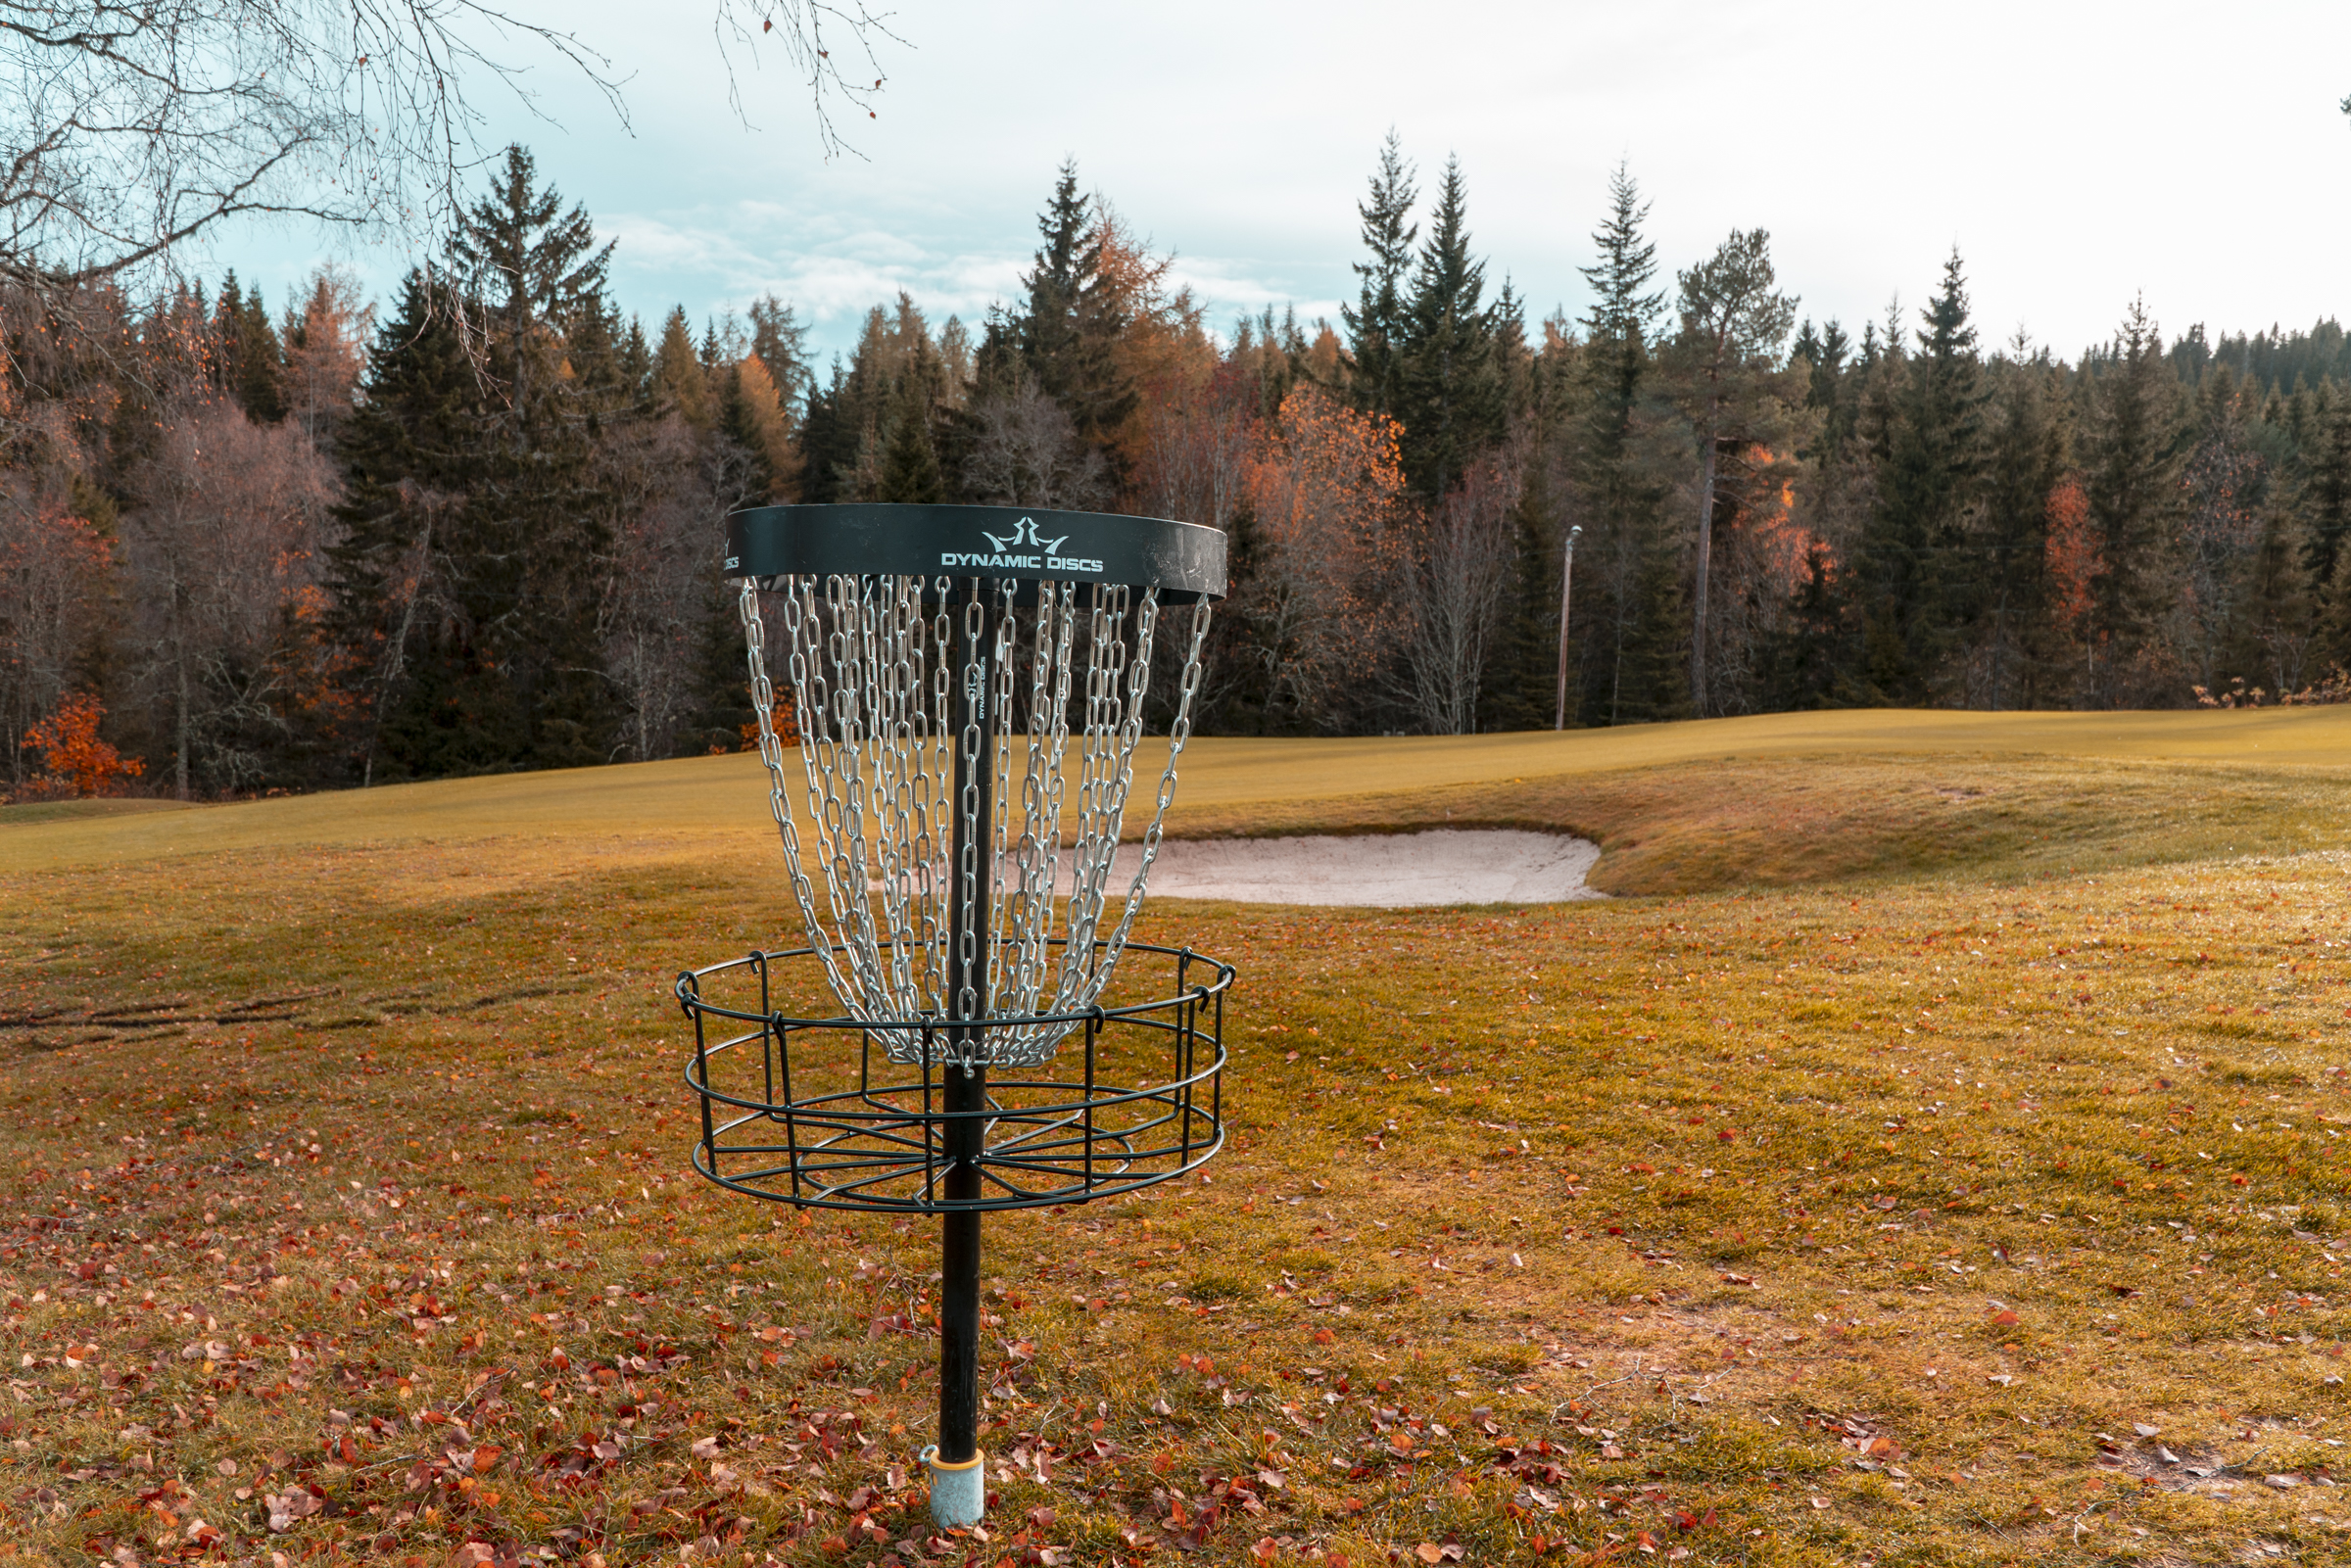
(771, 752)
(967, 871)
(887, 766)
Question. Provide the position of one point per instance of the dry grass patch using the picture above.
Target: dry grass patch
(1864, 1220)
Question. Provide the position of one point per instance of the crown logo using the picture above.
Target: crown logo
(1024, 532)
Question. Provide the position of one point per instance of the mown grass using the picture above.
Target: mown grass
(1925, 1121)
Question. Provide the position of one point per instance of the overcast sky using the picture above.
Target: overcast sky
(2077, 154)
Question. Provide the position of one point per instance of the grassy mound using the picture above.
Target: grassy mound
(1940, 1161)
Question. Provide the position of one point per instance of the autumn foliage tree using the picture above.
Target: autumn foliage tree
(1324, 485)
(74, 760)
(308, 546)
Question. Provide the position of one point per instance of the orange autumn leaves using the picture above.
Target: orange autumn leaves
(2073, 552)
(74, 761)
(1324, 490)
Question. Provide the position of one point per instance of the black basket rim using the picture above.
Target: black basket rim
(826, 1104)
(883, 1141)
(1183, 562)
(690, 998)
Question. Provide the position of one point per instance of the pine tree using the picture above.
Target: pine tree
(1733, 321)
(249, 361)
(2325, 494)
(2283, 615)
(1624, 309)
(780, 340)
(2027, 454)
(1450, 393)
(679, 380)
(910, 465)
(2131, 481)
(1375, 324)
(478, 535)
(1912, 565)
(1625, 556)
(1068, 326)
(404, 456)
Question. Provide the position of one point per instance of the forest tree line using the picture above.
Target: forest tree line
(476, 527)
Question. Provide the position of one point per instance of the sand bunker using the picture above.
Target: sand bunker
(1389, 870)
(1385, 871)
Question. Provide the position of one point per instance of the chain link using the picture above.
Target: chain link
(890, 773)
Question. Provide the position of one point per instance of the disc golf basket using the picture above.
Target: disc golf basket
(970, 1025)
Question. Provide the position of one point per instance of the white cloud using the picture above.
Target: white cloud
(2077, 154)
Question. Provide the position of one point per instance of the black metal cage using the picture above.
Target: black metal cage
(813, 1111)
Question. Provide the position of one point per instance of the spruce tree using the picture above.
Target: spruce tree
(2028, 454)
(1912, 565)
(1624, 309)
(2325, 494)
(909, 463)
(249, 359)
(541, 525)
(1375, 324)
(1068, 326)
(1625, 556)
(827, 439)
(2284, 619)
(2135, 456)
(405, 456)
(479, 534)
(1824, 361)
(1450, 394)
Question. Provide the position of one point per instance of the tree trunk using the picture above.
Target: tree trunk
(179, 660)
(180, 743)
(1705, 547)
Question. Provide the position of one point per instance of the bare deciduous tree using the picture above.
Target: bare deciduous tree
(222, 540)
(53, 569)
(134, 125)
(1195, 457)
(1451, 590)
(1029, 454)
(665, 583)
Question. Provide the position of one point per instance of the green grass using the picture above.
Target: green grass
(1693, 1219)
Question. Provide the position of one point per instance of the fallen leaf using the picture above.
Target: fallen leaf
(295, 1503)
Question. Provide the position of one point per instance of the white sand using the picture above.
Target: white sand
(1386, 871)
(1390, 870)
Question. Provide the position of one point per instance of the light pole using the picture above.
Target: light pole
(1567, 580)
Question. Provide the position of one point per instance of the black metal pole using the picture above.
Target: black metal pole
(959, 1267)
(966, 1092)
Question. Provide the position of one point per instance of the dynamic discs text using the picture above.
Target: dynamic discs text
(1006, 562)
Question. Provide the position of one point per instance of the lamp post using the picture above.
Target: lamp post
(1567, 580)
